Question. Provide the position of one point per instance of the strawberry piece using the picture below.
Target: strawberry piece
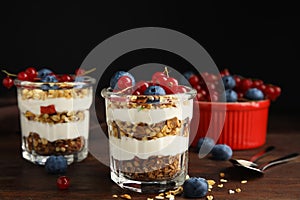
(48, 109)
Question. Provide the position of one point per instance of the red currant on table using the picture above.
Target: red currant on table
(8, 82)
(23, 76)
(63, 182)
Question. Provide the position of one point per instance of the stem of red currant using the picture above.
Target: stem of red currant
(89, 71)
(7, 73)
(166, 72)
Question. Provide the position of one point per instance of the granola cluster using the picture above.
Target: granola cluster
(38, 94)
(144, 131)
(153, 168)
(58, 117)
(42, 146)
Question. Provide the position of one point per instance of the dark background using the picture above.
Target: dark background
(253, 40)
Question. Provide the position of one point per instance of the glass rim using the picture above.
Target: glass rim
(85, 82)
(108, 93)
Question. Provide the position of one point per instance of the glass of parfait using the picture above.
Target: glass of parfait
(54, 118)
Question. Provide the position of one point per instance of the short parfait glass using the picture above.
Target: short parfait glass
(148, 139)
(54, 118)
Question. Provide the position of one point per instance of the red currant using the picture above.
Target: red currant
(181, 89)
(245, 84)
(79, 72)
(23, 76)
(63, 182)
(31, 72)
(225, 72)
(256, 83)
(65, 78)
(194, 80)
(8, 82)
(172, 82)
(157, 75)
(124, 82)
(140, 87)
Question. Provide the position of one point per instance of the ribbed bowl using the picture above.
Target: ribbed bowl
(241, 125)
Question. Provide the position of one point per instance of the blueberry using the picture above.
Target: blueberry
(254, 94)
(195, 187)
(117, 76)
(155, 90)
(221, 152)
(205, 145)
(49, 78)
(42, 73)
(229, 82)
(231, 95)
(56, 164)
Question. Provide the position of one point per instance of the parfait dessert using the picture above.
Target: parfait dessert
(148, 125)
(54, 115)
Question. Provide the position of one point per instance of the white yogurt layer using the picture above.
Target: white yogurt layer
(127, 148)
(61, 104)
(53, 132)
(151, 116)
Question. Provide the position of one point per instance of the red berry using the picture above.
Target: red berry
(245, 84)
(124, 82)
(79, 72)
(65, 78)
(8, 82)
(225, 72)
(157, 75)
(172, 82)
(140, 87)
(194, 80)
(181, 89)
(23, 76)
(63, 182)
(277, 90)
(257, 83)
(162, 80)
(31, 72)
(48, 109)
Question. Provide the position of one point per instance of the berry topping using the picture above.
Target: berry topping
(155, 90)
(31, 72)
(23, 76)
(65, 78)
(49, 78)
(221, 152)
(254, 94)
(228, 81)
(124, 82)
(48, 109)
(195, 187)
(42, 73)
(63, 182)
(231, 95)
(8, 82)
(56, 164)
(115, 78)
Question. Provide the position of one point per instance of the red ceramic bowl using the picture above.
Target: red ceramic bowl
(241, 125)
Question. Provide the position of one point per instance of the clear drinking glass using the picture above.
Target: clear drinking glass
(54, 119)
(148, 139)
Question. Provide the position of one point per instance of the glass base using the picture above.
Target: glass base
(41, 159)
(148, 186)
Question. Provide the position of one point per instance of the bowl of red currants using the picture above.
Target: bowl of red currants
(231, 109)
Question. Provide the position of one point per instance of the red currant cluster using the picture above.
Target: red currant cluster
(241, 86)
(32, 74)
(125, 82)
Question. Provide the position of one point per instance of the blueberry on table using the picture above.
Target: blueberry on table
(115, 78)
(254, 94)
(56, 164)
(229, 82)
(221, 152)
(195, 187)
(42, 73)
(205, 145)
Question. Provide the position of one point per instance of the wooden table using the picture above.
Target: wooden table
(90, 179)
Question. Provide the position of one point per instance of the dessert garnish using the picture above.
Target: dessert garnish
(195, 187)
(56, 164)
(63, 182)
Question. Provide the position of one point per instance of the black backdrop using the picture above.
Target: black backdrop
(254, 40)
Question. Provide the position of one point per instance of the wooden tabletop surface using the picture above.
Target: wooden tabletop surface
(90, 179)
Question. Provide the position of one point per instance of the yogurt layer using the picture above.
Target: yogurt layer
(61, 104)
(125, 148)
(53, 132)
(150, 116)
